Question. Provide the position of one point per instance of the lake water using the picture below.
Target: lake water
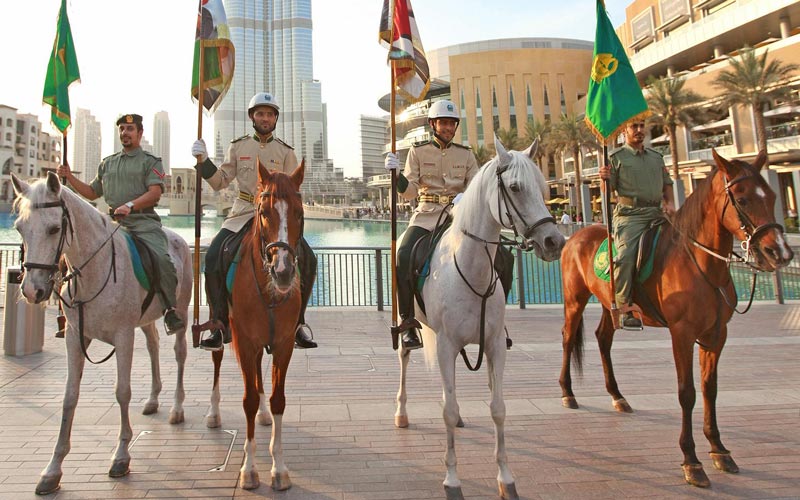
(319, 233)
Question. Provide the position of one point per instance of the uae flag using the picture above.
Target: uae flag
(214, 39)
(399, 34)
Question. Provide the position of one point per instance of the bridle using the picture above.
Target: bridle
(66, 223)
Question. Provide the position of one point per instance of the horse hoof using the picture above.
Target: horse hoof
(453, 493)
(569, 402)
(281, 481)
(249, 480)
(213, 421)
(695, 475)
(176, 417)
(507, 491)
(622, 406)
(263, 419)
(119, 468)
(150, 408)
(48, 484)
(460, 422)
(724, 462)
(401, 421)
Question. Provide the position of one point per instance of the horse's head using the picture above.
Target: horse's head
(752, 219)
(279, 212)
(520, 206)
(43, 222)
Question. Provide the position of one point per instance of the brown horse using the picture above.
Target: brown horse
(690, 285)
(265, 309)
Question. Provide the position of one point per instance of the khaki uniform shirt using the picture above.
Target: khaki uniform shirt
(240, 164)
(640, 175)
(123, 177)
(434, 168)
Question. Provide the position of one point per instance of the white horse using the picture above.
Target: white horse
(508, 192)
(54, 222)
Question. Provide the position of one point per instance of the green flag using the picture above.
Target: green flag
(614, 97)
(62, 70)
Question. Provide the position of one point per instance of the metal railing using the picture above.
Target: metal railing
(361, 277)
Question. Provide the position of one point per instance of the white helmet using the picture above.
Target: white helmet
(443, 109)
(263, 99)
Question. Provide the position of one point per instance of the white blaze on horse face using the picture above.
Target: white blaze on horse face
(760, 193)
(283, 234)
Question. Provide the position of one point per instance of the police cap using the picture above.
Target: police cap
(130, 118)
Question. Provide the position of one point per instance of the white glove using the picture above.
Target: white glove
(199, 150)
(457, 198)
(391, 162)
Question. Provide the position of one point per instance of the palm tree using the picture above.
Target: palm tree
(534, 130)
(509, 138)
(483, 154)
(673, 106)
(752, 81)
(569, 135)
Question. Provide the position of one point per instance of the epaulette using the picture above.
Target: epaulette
(615, 151)
(655, 151)
(422, 143)
(281, 142)
(148, 153)
(462, 146)
(240, 138)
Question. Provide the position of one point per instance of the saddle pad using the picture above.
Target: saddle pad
(602, 265)
(426, 267)
(232, 273)
(136, 261)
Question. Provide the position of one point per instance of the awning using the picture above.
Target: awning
(557, 200)
(726, 123)
(783, 110)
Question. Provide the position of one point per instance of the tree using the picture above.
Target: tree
(534, 130)
(672, 106)
(569, 135)
(752, 81)
(483, 154)
(509, 138)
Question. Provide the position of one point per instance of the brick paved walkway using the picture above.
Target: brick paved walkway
(340, 441)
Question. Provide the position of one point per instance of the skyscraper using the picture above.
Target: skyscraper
(374, 137)
(161, 138)
(86, 152)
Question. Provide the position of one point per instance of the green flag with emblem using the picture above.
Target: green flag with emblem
(614, 96)
(62, 70)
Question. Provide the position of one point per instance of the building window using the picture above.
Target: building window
(512, 113)
(464, 131)
(479, 116)
(529, 103)
(563, 101)
(33, 129)
(9, 122)
(495, 113)
(546, 100)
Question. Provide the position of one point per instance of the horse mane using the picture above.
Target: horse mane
(689, 218)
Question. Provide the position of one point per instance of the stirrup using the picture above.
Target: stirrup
(618, 322)
(509, 342)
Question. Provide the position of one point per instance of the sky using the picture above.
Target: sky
(136, 57)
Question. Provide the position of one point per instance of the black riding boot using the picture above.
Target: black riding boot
(216, 294)
(307, 263)
(504, 267)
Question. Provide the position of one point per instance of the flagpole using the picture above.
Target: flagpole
(198, 207)
(392, 111)
(607, 210)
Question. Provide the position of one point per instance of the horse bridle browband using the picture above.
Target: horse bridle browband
(66, 222)
(753, 232)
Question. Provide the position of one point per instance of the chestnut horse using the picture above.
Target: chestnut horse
(266, 307)
(690, 285)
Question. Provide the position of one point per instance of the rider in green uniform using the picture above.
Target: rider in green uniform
(643, 185)
(131, 182)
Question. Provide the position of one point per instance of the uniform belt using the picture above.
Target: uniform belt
(435, 198)
(636, 202)
(249, 198)
(148, 210)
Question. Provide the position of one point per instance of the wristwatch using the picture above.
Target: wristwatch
(129, 205)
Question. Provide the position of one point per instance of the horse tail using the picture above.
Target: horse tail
(575, 342)
(429, 346)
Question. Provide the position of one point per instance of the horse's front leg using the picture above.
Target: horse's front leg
(248, 474)
(262, 417)
(176, 415)
(281, 357)
(51, 475)
(446, 355)
(401, 416)
(151, 337)
(709, 362)
(120, 464)
(682, 351)
(213, 418)
(496, 362)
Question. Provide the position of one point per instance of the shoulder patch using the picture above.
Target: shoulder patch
(151, 155)
(281, 142)
(615, 151)
(239, 138)
(462, 146)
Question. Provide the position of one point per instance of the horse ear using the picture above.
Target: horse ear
(532, 149)
(21, 187)
(299, 174)
(760, 160)
(502, 154)
(264, 175)
(727, 167)
(53, 184)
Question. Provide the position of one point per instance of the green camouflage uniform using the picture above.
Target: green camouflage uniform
(123, 177)
(640, 176)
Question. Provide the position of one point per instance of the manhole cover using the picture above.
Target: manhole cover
(182, 451)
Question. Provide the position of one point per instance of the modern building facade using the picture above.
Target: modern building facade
(86, 152)
(161, 138)
(374, 137)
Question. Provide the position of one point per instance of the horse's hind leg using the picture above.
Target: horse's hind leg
(572, 344)
(277, 404)
(605, 337)
(709, 362)
(151, 337)
(496, 361)
(682, 351)
(51, 475)
(262, 417)
(176, 415)
(213, 419)
(121, 460)
(401, 416)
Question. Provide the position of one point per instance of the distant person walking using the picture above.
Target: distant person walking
(565, 218)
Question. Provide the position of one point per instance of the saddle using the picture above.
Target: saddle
(229, 257)
(645, 256)
(421, 255)
(145, 268)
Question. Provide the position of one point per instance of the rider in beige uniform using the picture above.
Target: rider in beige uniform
(240, 164)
